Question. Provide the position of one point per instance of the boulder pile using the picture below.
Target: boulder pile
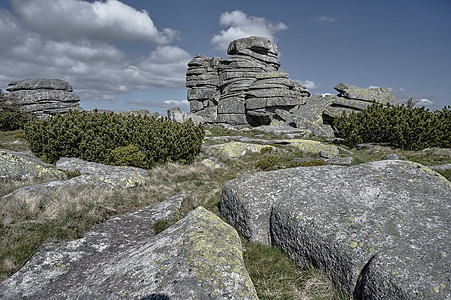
(246, 88)
(43, 97)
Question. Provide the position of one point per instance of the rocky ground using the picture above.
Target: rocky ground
(376, 224)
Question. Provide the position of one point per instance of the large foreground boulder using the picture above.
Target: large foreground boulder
(380, 230)
(199, 257)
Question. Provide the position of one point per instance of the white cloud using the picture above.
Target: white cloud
(95, 68)
(424, 102)
(326, 19)
(310, 84)
(74, 19)
(241, 25)
(373, 87)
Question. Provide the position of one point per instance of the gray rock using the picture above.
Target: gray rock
(391, 157)
(175, 114)
(20, 166)
(39, 83)
(214, 163)
(231, 105)
(43, 97)
(234, 119)
(365, 146)
(443, 167)
(208, 114)
(199, 257)
(380, 230)
(255, 43)
(381, 95)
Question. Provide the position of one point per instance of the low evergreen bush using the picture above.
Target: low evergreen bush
(12, 118)
(403, 127)
(114, 139)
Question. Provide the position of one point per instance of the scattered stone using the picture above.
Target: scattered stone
(391, 157)
(20, 166)
(365, 146)
(346, 151)
(200, 257)
(234, 149)
(43, 97)
(213, 162)
(314, 147)
(380, 230)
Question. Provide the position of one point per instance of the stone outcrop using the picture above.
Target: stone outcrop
(380, 230)
(19, 166)
(245, 88)
(352, 98)
(43, 97)
(249, 88)
(200, 257)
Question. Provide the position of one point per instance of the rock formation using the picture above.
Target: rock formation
(43, 97)
(246, 88)
(249, 88)
(199, 257)
(380, 230)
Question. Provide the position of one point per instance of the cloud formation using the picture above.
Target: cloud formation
(73, 19)
(60, 39)
(326, 19)
(424, 102)
(310, 84)
(241, 25)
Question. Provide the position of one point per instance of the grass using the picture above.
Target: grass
(65, 214)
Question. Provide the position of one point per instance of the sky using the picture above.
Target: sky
(133, 54)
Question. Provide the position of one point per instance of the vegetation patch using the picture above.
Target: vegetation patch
(400, 126)
(114, 139)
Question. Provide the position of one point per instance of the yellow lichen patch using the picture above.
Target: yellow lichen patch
(236, 149)
(436, 289)
(312, 146)
(215, 252)
(353, 245)
(428, 171)
(395, 272)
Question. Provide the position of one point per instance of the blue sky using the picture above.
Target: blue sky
(124, 55)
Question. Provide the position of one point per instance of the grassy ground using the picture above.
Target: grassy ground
(27, 222)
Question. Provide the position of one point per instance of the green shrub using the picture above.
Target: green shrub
(129, 155)
(399, 126)
(267, 163)
(110, 137)
(266, 150)
(12, 118)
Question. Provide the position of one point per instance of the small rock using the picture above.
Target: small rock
(391, 157)
(213, 162)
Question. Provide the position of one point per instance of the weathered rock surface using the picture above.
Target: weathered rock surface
(234, 149)
(17, 165)
(246, 88)
(199, 257)
(91, 174)
(43, 97)
(380, 230)
(177, 115)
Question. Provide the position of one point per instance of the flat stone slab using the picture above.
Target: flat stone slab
(199, 257)
(380, 230)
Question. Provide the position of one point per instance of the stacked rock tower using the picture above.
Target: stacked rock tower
(43, 97)
(246, 88)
